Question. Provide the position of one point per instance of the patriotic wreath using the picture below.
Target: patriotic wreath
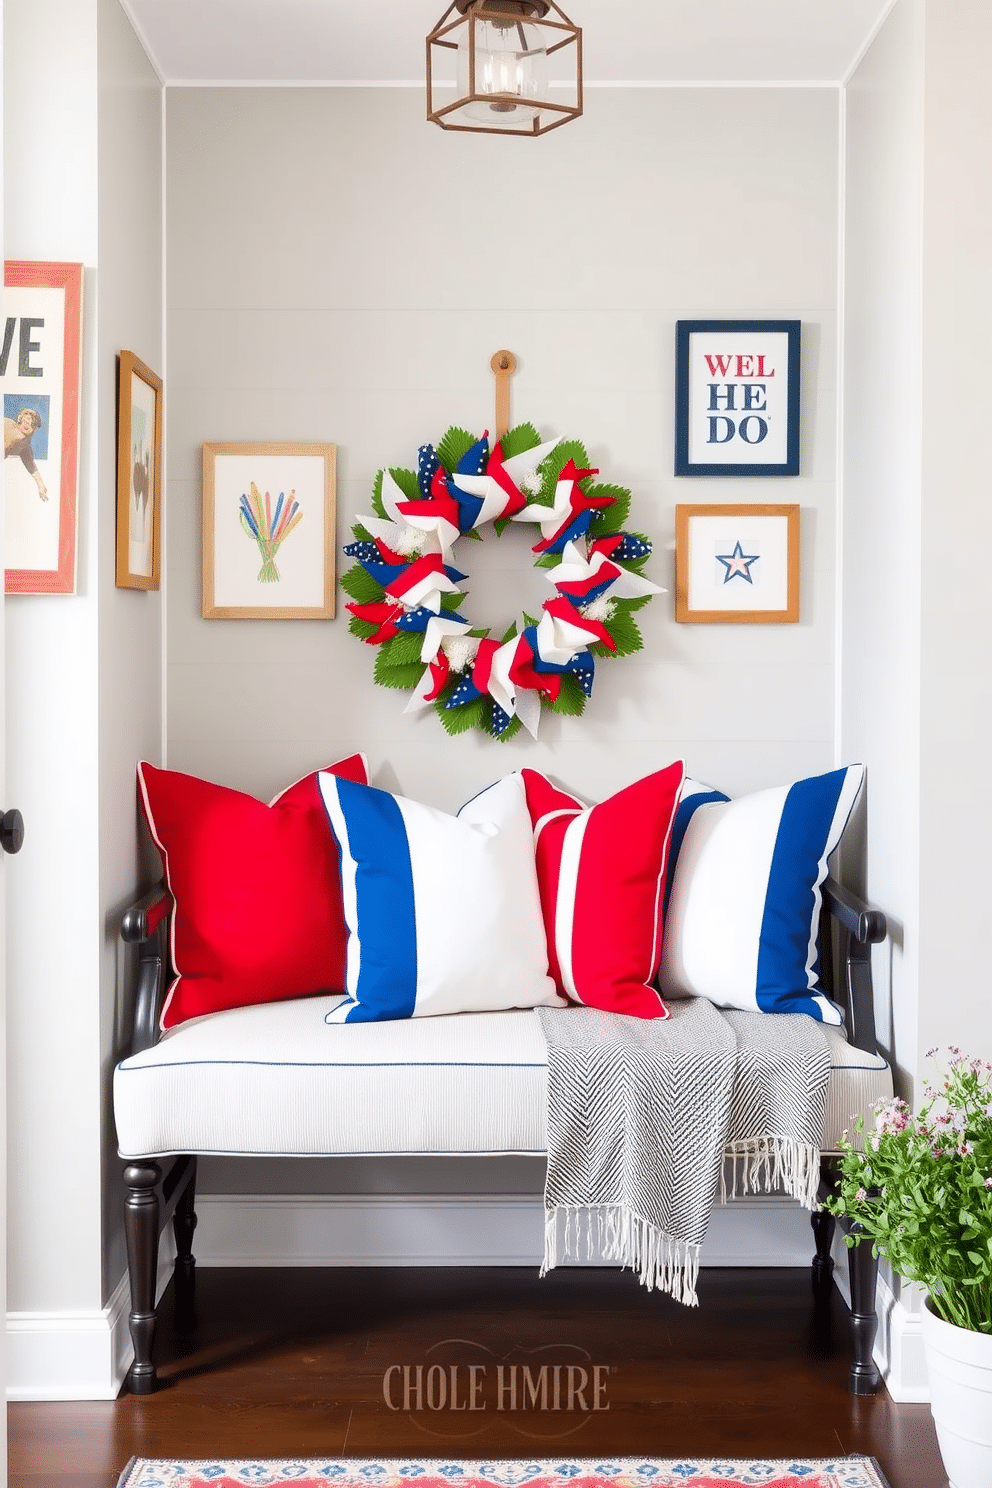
(406, 591)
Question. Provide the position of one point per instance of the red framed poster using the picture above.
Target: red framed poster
(40, 364)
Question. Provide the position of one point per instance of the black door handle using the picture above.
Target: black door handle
(11, 831)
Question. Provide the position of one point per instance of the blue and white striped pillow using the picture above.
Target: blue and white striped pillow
(743, 906)
(443, 912)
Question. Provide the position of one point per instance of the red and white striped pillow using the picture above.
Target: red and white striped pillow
(601, 872)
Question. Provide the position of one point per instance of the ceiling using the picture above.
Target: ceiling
(625, 41)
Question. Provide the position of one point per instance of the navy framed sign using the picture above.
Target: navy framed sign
(737, 397)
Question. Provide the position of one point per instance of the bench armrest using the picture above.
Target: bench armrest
(863, 927)
(140, 922)
(142, 926)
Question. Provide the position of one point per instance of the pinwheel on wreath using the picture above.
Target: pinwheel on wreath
(406, 590)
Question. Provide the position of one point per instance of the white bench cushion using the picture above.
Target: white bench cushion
(275, 1078)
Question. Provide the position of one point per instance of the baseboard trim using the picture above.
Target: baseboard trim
(451, 1230)
(77, 1355)
(900, 1352)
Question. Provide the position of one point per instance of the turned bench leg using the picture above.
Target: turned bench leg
(148, 1202)
(183, 1225)
(823, 1224)
(863, 1267)
(141, 1219)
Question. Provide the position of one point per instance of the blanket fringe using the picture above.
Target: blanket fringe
(612, 1232)
(763, 1163)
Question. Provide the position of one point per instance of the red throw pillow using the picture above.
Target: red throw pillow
(601, 873)
(257, 890)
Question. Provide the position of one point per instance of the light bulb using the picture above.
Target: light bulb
(510, 60)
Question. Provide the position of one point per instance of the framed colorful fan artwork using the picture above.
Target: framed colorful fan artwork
(139, 474)
(268, 531)
(40, 370)
(737, 564)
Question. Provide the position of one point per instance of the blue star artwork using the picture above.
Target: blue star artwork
(737, 565)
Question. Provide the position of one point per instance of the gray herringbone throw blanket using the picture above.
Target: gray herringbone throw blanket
(641, 1113)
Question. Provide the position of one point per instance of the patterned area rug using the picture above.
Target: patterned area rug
(615, 1472)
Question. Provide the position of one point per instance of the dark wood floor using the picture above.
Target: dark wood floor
(292, 1363)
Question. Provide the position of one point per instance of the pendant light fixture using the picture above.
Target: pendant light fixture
(504, 67)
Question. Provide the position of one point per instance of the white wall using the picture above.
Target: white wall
(880, 570)
(131, 247)
(956, 654)
(52, 718)
(83, 675)
(358, 295)
(917, 647)
(340, 270)
(916, 656)
(3, 999)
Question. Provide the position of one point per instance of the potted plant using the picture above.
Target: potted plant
(920, 1190)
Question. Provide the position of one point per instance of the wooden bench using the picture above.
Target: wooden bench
(276, 1079)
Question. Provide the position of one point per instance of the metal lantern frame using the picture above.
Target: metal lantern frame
(543, 14)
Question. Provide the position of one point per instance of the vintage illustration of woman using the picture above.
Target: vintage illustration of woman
(17, 435)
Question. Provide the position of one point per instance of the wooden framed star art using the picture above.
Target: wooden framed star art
(737, 564)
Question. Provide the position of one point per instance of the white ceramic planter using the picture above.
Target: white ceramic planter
(959, 1363)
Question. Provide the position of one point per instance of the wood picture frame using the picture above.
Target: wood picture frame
(737, 397)
(258, 498)
(717, 547)
(139, 474)
(41, 370)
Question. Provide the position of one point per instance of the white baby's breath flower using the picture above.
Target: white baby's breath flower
(601, 609)
(460, 651)
(411, 540)
(531, 482)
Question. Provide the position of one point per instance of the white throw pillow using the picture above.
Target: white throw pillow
(443, 912)
(742, 917)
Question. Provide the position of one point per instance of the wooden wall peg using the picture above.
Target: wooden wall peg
(504, 364)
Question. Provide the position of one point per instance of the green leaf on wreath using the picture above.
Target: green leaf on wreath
(450, 602)
(377, 505)
(547, 560)
(509, 634)
(529, 619)
(454, 446)
(518, 440)
(402, 650)
(613, 517)
(639, 602)
(361, 586)
(407, 482)
(623, 629)
(405, 676)
(460, 720)
(571, 701)
(472, 533)
(361, 534)
(553, 465)
(363, 629)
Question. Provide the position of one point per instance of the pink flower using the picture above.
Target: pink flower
(861, 1195)
(988, 1182)
(966, 1149)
